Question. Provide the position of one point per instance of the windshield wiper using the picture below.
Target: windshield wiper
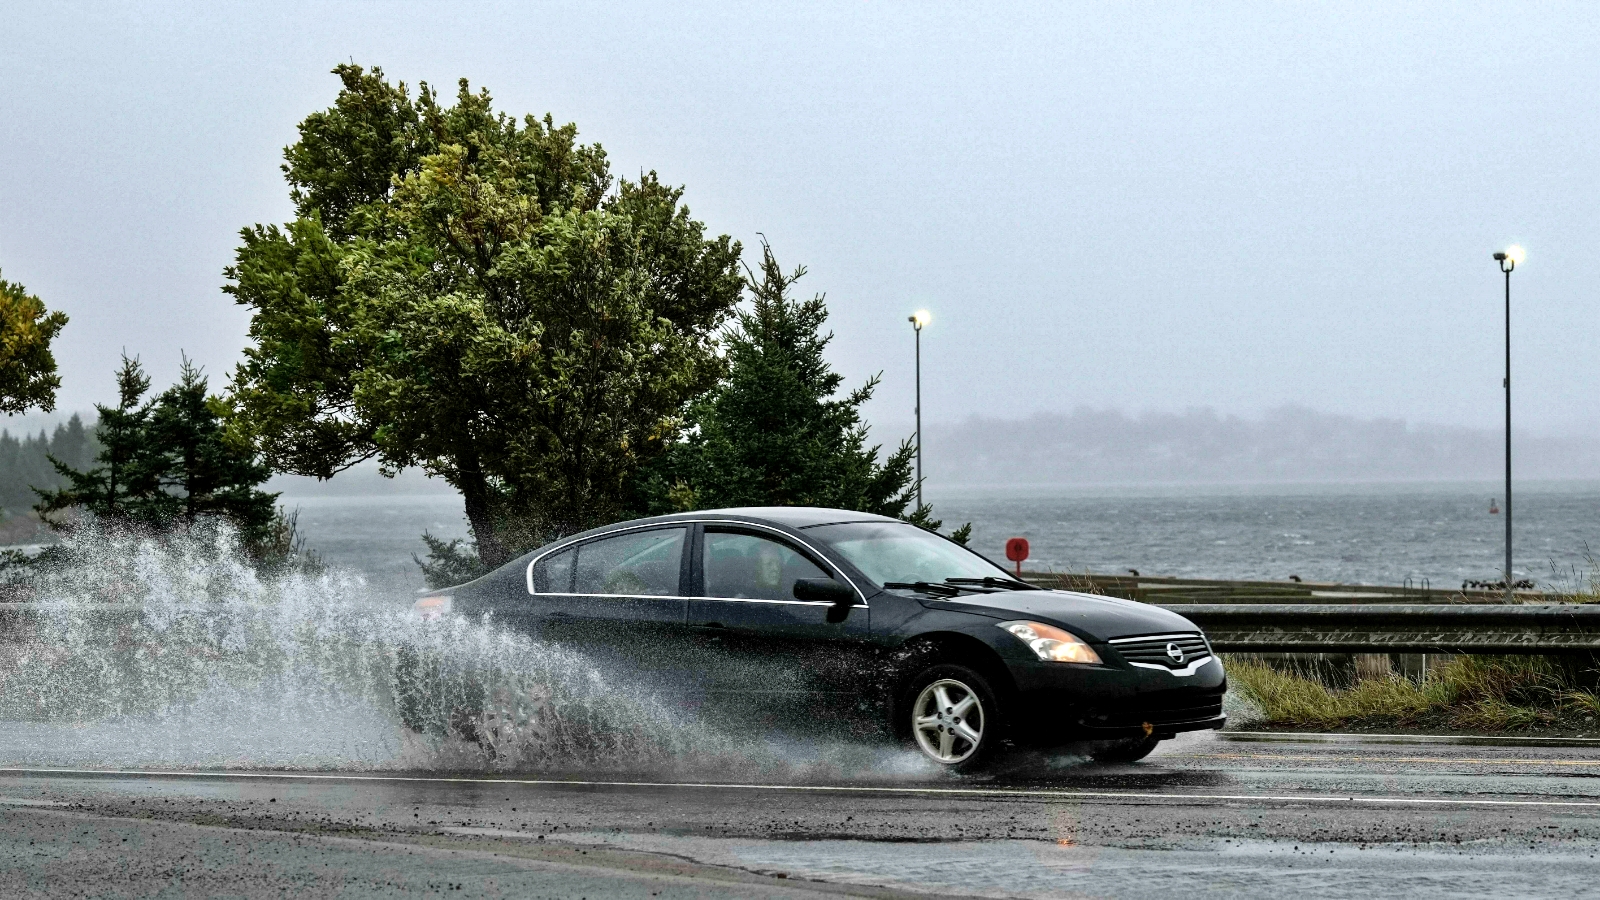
(927, 587)
(1011, 584)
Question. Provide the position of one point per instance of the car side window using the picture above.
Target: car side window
(640, 563)
(745, 566)
(553, 574)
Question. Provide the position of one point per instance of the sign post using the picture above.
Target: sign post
(1017, 551)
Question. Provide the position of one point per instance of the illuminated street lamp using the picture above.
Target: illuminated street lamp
(918, 319)
(1508, 259)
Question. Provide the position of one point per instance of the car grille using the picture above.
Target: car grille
(1151, 650)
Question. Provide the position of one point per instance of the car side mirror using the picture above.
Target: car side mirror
(825, 590)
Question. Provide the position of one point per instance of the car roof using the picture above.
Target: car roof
(795, 516)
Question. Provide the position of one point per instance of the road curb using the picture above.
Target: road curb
(1459, 740)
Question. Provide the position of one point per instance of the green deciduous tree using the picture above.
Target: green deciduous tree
(776, 431)
(475, 295)
(27, 367)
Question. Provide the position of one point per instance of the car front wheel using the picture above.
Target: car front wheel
(954, 716)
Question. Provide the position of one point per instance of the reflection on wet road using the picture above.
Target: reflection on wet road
(1203, 816)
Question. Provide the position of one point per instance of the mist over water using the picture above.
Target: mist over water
(180, 654)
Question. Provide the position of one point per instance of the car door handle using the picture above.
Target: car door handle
(710, 626)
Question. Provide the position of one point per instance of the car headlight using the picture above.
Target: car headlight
(433, 608)
(1052, 644)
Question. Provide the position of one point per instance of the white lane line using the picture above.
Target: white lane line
(1010, 793)
(23, 801)
(1467, 760)
(1461, 740)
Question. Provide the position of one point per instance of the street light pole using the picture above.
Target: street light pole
(917, 320)
(1508, 260)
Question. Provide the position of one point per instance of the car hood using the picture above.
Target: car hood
(1089, 616)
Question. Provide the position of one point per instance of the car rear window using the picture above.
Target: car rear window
(639, 563)
(553, 574)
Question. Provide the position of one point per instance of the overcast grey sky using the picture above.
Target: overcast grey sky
(1140, 206)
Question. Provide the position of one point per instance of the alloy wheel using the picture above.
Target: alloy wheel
(948, 720)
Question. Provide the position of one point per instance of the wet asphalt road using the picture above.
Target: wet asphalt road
(1203, 817)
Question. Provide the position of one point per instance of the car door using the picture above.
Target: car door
(772, 645)
(618, 597)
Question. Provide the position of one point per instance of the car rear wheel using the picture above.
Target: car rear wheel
(953, 715)
(1125, 751)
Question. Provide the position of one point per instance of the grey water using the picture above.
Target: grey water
(378, 535)
(1352, 533)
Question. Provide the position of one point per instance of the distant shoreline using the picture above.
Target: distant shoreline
(1486, 487)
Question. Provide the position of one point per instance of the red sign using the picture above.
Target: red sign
(1017, 551)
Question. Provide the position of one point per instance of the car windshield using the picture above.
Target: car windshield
(901, 553)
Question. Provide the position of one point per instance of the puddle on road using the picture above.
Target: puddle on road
(180, 655)
(1022, 868)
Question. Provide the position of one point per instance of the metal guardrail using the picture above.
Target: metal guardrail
(1316, 617)
(1396, 628)
(1164, 590)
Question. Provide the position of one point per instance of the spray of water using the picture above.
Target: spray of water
(178, 652)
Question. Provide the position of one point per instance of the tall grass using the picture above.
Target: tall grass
(1466, 693)
(1576, 584)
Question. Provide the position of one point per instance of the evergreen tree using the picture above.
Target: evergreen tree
(167, 461)
(73, 443)
(115, 487)
(200, 469)
(10, 472)
(25, 462)
(776, 432)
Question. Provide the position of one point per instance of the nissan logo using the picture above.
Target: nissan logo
(1175, 653)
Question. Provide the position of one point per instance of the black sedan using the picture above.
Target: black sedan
(772, 605)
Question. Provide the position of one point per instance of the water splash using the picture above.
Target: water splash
(179, 653)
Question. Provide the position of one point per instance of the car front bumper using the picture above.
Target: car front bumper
(1057, 703)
